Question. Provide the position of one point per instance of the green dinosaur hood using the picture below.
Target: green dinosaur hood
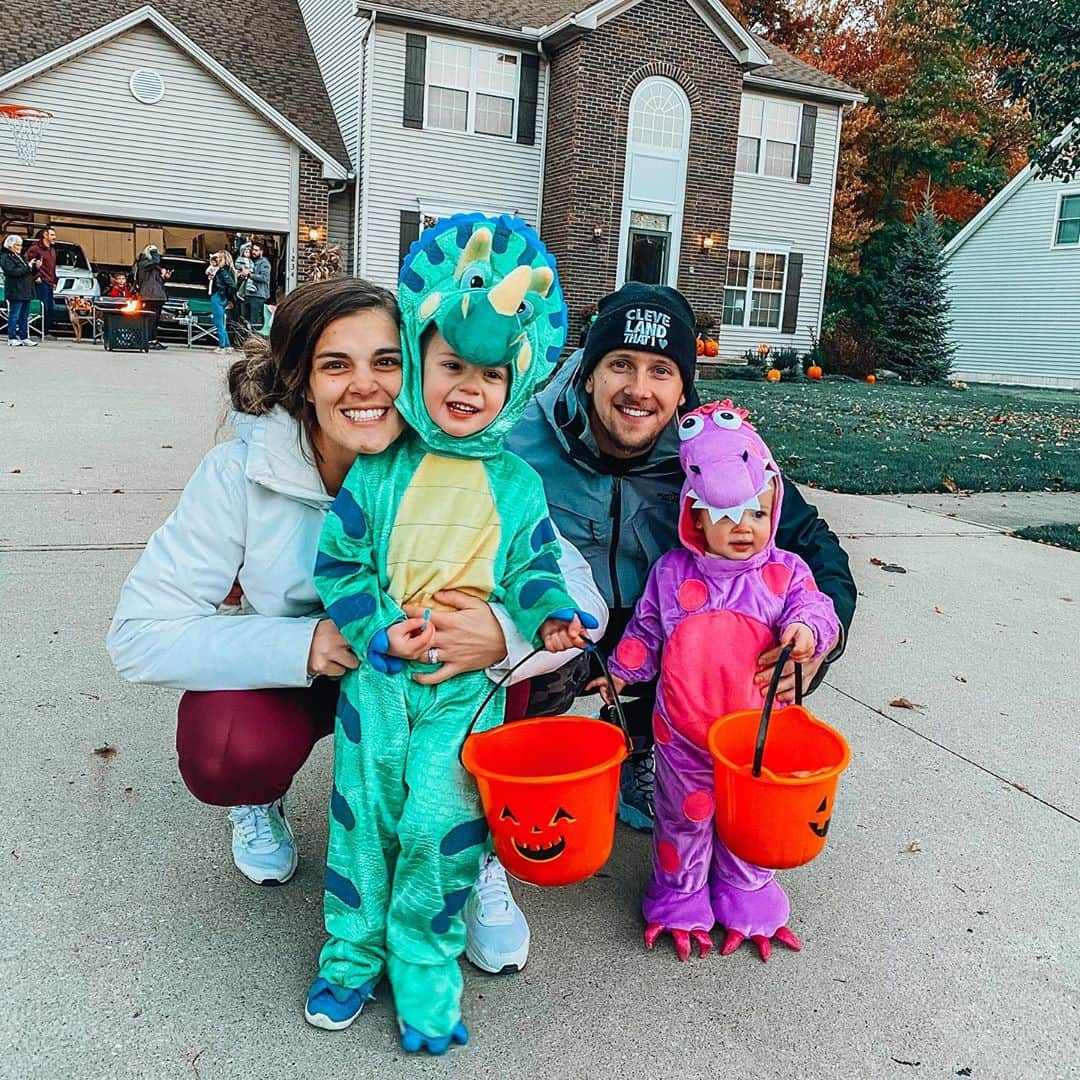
(490, 287)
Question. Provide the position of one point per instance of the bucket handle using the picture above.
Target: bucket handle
(590, 648)
(766, 710)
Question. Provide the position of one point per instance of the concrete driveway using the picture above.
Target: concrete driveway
(940, 925)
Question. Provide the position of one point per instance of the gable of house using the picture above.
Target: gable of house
(265, 46)
(106, 152)
(1014, 285)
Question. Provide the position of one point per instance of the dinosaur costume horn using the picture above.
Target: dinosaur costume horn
(506, 297)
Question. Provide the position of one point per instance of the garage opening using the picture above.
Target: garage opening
(90, 250)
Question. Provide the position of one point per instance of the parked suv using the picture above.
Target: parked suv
(187, 280)
(74, 274)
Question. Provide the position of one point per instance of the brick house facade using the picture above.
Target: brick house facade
(592, 80)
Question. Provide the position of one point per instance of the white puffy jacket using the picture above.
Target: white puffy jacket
(252, 511)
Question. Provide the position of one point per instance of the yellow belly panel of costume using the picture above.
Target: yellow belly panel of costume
(431, 547)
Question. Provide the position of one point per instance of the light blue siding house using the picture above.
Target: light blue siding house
(1014, 278)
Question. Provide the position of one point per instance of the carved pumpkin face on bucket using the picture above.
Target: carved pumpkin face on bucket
(820, 826)
(537, 842)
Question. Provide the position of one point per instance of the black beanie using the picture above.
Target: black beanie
(649, 318)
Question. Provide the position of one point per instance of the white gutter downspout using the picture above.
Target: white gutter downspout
(828, 234)
(360, 202)
(546, 68)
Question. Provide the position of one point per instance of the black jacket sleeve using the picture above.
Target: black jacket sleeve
(13, 267)
(801, 531)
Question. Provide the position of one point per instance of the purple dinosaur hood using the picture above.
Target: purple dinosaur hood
(727, 466)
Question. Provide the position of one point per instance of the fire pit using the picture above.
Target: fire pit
(126, 326)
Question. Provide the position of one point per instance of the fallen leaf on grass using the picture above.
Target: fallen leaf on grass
(105, 751)
(950, 485)
(903, 703)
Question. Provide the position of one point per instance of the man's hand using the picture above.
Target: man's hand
(468, 638)
(330, 653)
(785, 690)
(411, 639)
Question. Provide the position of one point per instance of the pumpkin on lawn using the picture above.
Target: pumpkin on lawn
(813, 372)
(871, 378)
(773, 374)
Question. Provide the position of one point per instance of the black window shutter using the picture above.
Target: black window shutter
(805, 173)
(415, 71)
(527, 95)
(791, 294)
(408, 231)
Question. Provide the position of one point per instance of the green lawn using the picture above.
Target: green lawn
(850, 436)
(1066, 536)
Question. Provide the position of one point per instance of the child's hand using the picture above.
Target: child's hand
(558, 634)
(411, 639)
(600, 686)
(802, 637)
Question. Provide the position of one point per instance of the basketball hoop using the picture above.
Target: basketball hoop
(27, 127)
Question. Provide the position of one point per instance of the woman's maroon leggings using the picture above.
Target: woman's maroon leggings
(245, 746)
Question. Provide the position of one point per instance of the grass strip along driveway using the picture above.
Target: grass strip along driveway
(891, 438)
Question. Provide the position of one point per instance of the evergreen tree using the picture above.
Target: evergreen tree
(915, 324)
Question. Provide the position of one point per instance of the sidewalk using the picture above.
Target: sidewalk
(939, 927)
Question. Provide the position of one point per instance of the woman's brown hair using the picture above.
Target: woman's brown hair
(277, 372)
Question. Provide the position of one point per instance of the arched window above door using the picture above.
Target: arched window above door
(659, 115)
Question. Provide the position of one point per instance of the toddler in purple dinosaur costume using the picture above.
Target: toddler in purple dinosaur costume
(709, 609)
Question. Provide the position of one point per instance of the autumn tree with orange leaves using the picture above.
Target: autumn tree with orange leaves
(936, 125)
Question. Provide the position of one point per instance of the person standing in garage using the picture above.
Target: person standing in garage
(222, 275)
(258, 288)
(43, 252)
(150, 281)
(18, 289)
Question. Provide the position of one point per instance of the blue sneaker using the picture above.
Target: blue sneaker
(334, 1008)
(413, 1041)
(496, 933)
(636, 789)
(263, 846)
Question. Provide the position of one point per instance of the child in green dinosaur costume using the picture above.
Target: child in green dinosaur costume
(446, 507)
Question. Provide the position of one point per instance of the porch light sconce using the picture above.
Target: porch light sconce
(313, 234)
(707, 244)
(598, 233)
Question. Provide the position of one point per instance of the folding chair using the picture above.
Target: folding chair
(37, 319)
(200, 322)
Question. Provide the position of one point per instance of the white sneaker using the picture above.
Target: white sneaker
(496, 933)
(29, 342)
(263, 846)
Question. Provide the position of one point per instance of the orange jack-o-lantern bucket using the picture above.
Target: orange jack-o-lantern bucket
(773, 806)
(549, 788)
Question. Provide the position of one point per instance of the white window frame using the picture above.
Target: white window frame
(748, 289)
(471, 90)
(768, 102)
(1062, 196)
